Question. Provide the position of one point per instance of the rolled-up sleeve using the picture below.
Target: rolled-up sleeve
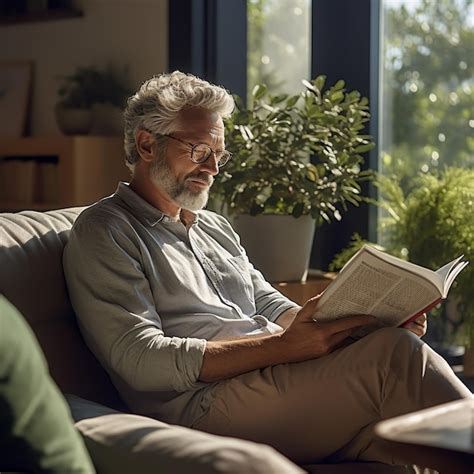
(112, 299)
(268, 300)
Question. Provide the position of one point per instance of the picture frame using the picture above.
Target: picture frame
(15, 92)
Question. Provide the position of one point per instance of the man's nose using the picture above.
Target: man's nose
(210, 165)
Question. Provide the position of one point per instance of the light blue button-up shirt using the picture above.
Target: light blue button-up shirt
(149, 292)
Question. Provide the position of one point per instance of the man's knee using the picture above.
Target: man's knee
(393, 336)
(389, 344)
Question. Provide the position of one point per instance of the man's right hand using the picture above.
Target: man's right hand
(302, 339)
(306, 338)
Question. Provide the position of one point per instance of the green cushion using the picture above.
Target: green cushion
(36, 429)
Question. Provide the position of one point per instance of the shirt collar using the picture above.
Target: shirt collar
(145, 212)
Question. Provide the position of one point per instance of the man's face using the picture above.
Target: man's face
(186, 182)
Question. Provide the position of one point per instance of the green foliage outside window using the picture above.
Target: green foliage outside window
(279, 38)
(429, 87)
(428, 124)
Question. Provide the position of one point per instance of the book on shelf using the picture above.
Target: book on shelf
(25, 179)
(17, 179)
(392, 290)
(47, 183)
(7, 172)
(28, 181)
(3, 180)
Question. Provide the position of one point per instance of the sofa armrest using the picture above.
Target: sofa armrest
(124, 443)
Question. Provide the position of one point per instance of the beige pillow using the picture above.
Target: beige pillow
(125, 443)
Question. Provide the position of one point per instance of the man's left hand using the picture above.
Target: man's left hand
(418, 326)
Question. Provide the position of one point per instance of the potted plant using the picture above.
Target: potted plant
(430, 223)
(74, 108)
(95, 96)
(296, 163)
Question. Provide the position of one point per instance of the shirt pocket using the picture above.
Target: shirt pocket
(240, 264)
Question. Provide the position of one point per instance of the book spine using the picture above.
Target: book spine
(3, 180)
(424, 310)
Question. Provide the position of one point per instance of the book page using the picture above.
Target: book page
(428, 274)
(445, 270)
(452, 275)
(377, 288)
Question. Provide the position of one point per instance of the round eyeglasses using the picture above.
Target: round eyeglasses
(201, 152)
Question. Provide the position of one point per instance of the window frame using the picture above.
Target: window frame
(345, 45)
(209, 38)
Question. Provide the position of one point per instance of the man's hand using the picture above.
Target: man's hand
(418, 326)
(303, 339)
(306, 338)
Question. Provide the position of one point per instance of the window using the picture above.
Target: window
(279, 37)
(427, 86)
(427, 124)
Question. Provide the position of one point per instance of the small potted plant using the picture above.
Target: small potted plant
(296, 163)
(91, 98)
(74, 108)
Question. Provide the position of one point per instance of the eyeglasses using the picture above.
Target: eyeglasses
(201, 152)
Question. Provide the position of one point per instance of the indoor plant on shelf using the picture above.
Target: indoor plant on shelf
(92, 99)
(272, 189)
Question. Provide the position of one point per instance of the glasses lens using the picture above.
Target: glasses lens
(223, 157)
(201, 153)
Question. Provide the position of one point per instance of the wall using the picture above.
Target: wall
(132, 32)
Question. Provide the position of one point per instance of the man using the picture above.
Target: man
(192, 334)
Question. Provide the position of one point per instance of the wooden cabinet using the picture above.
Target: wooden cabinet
(56, 172)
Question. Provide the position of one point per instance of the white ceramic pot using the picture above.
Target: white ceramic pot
(73, 121)
(107, 120)
(278, 246)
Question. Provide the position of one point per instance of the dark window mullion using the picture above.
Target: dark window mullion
(209, 38)
(345, 40)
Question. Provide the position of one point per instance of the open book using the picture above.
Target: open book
(393, 290)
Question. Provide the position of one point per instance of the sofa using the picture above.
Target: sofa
(31, 278)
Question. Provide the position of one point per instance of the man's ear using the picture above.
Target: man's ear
(144, 142)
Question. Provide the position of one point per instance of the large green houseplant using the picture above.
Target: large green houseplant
(271, 173)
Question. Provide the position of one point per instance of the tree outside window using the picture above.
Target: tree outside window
(428, 86)
(279, 36)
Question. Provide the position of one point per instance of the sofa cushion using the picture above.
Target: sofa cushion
(124, 443)
(31, 277)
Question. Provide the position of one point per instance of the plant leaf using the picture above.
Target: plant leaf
(259, 91)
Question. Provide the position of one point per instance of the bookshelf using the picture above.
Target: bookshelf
(45, 173)
(7, 19)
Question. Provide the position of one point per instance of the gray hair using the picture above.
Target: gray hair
(158, 102)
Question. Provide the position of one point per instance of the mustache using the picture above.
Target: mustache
(202, 177)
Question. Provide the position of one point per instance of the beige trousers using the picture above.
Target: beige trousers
(325, 409)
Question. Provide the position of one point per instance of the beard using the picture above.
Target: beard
(162, 176)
